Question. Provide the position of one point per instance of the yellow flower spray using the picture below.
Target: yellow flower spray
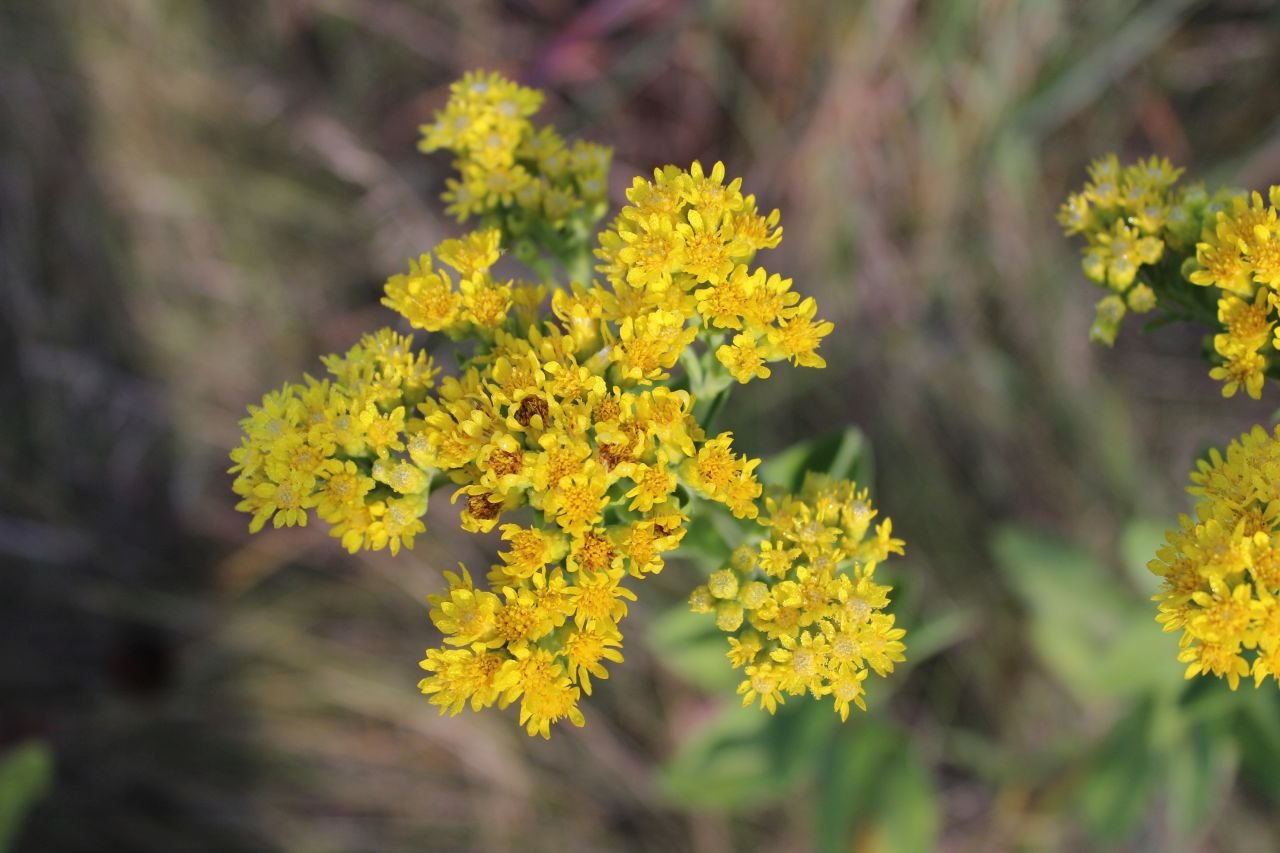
(1212, 259)
(1191, 256)
(581, 435)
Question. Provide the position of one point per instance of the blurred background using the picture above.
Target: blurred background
(197, 199)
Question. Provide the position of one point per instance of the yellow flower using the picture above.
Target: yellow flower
(481, 509)
(577, 501)
(383, 432)
(285, 503)
(724, 304)
(650, 345)
(342, 491)
(708, 194)
(845, 686)
(424, 297)
(460, 677)
(744, 358)
(754, 232)
(521, 619)
(473, 253)
(399, 523)
(593, 551)
(653, 483)
(708, 249)
(1116, 256)
(403, 477)
(1242, 369)
(465, 616)
(504, 464)
(586, 649)
(531, 550)
(650, 251)
(546, 693)
(797, 336)
(762, 684)
(600, 598)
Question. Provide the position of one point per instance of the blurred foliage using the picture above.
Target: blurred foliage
(197, 198)
(1165, 754)
(26, 774)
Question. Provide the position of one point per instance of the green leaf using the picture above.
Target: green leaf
(1139, 541)
(872, 783)
(703, 544)
(1121, 779)
(746, 757)
(1199, 771)
(910, 815)
(711, 535)
(26, 775)
(1257, 731)
(692, 646)
(1095, 635)
(844, 455)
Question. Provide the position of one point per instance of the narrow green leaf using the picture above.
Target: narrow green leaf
(1121, 778)
(26, 775)
(847, 783)
(873, 784)
(910, 812)
(1199, 771)
(1256, 730)
(843, 454)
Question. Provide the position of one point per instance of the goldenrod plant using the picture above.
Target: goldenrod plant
(1214, 259)
(1187, 254)
(579, 425)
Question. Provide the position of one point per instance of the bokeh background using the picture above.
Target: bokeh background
(197, 199)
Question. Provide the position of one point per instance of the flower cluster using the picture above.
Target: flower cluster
(802, 607)
(1221, 568)
(682, 249)
(1240, 255)
(1124, 215)
(580, 434)
(1214, 260)
(479, 306)
(507, 170)
(337, 446)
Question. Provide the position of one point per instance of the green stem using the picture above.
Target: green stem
(579, 265)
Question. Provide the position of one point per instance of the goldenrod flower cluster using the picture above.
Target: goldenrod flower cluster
(1240, 255)
(1214, 260)
(580, 436)
(802, 607)
(526, 181)
(338, 446)
(1221, 568)
(681, 250)
(1124, 214)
